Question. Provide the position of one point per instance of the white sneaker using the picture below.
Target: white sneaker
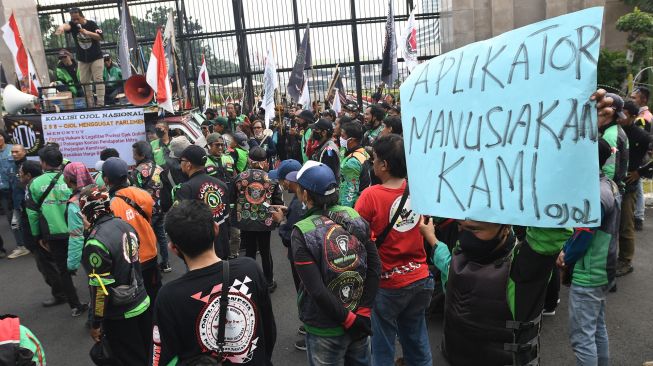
(18, 252)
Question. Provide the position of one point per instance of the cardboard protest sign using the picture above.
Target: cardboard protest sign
(83, 135)
(503, 130)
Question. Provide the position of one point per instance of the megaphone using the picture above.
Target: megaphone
(15, 100)
(137, 91)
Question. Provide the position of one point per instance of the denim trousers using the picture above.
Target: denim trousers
(587, 331)
(401, 312)
(337, 351)
(639, 201)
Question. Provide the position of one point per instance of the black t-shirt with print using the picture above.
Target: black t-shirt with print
(88, 50)
(186, 316)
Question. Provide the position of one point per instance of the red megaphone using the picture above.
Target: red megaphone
(137, 91)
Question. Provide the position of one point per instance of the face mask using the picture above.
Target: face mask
(317, 136)
(159, 133)
(475, 248)
(343, 142)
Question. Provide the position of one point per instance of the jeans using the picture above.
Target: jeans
(587, 331)
(639, 201)
(159, 231)
(401, 312)
(337, 351)
(259, 240)
(627, 227)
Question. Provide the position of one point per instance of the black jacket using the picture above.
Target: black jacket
(170, 178)
(212, 191)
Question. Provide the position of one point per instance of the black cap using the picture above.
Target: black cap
(210, 110)
(352, 107)
(195, 155)
(307, 116)
(115, 168)
(322, 124)
(617, 104)
(258, 153)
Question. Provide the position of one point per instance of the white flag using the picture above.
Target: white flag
(408, 42)
(270, 83)
(305, 97)
(337, 106)
(203, 80)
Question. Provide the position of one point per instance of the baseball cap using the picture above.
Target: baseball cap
(352, 107)
(258, 153)
(322, 124)
(285, 167)
(329, 112)
(194, 154)
(307, 116)
(315, 177)
(115, 168)
(617, 104)
(178, 145)
(222, 121)
(241, 140)
(213, 137)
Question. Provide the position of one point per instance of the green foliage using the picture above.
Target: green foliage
(612, 68)
(639, 26)
(646, 5)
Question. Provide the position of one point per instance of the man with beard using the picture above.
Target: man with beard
(213, 192)
(326, 151)
(373, 117)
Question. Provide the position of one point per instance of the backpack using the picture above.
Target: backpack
(365, 179)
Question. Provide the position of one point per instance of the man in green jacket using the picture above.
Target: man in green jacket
(68, 74)
(160, 145)
(112, 76)
(47, 220)
(351, 166)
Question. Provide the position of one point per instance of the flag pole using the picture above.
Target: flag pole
(179, 92)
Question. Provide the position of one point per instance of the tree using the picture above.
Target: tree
(612, 69)
(646, 5)
(639, 26)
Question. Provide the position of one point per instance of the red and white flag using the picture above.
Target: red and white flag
(408, 42)
(203, 80)
(157, 74)
(23, 64)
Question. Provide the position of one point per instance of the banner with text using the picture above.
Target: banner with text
(503, 130)
(83, 135)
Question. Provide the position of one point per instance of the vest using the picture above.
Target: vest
(255, 190)
(338, 249)
(115, 234)
(9, 340)
(477, 316)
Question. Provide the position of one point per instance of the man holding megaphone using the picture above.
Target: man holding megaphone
(87, 36)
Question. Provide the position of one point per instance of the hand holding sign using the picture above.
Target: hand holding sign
(503, 130)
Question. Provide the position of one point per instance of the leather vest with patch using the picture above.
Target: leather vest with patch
(338, 248)
(478, 325)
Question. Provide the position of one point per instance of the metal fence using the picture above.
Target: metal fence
(235, 35)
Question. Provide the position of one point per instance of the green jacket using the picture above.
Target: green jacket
(243, 156)
(49, 220)
(305, 137)
(76, 232)
(112, 74)
(99, 180)
(64, 76)
(350, 174)
(160, 152)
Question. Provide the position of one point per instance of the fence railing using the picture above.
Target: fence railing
(235, 34)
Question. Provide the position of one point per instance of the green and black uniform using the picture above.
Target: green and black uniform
(160, 151)
(110, 258)
(494, 306)
(69, 76)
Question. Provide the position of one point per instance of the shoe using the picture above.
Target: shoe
(624, 268)
(639, 224)
(301, 330)
(75, 312)
(165, 267)
(3, 253)
(301, 345)
(53, 301)
(272, 286)
(233, 256)
(546, 312)
(18, 252)
(613, 289)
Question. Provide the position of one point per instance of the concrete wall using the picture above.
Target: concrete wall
(467, 21)
(30, 31)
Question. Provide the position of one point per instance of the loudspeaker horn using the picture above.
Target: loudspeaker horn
(137, 91)
(15, 100)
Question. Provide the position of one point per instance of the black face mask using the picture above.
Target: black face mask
(159, 133)
(477, 249)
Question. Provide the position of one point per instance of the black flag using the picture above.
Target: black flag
(302, 62)
(389, 70)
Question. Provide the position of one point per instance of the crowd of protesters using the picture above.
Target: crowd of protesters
(364, 265)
